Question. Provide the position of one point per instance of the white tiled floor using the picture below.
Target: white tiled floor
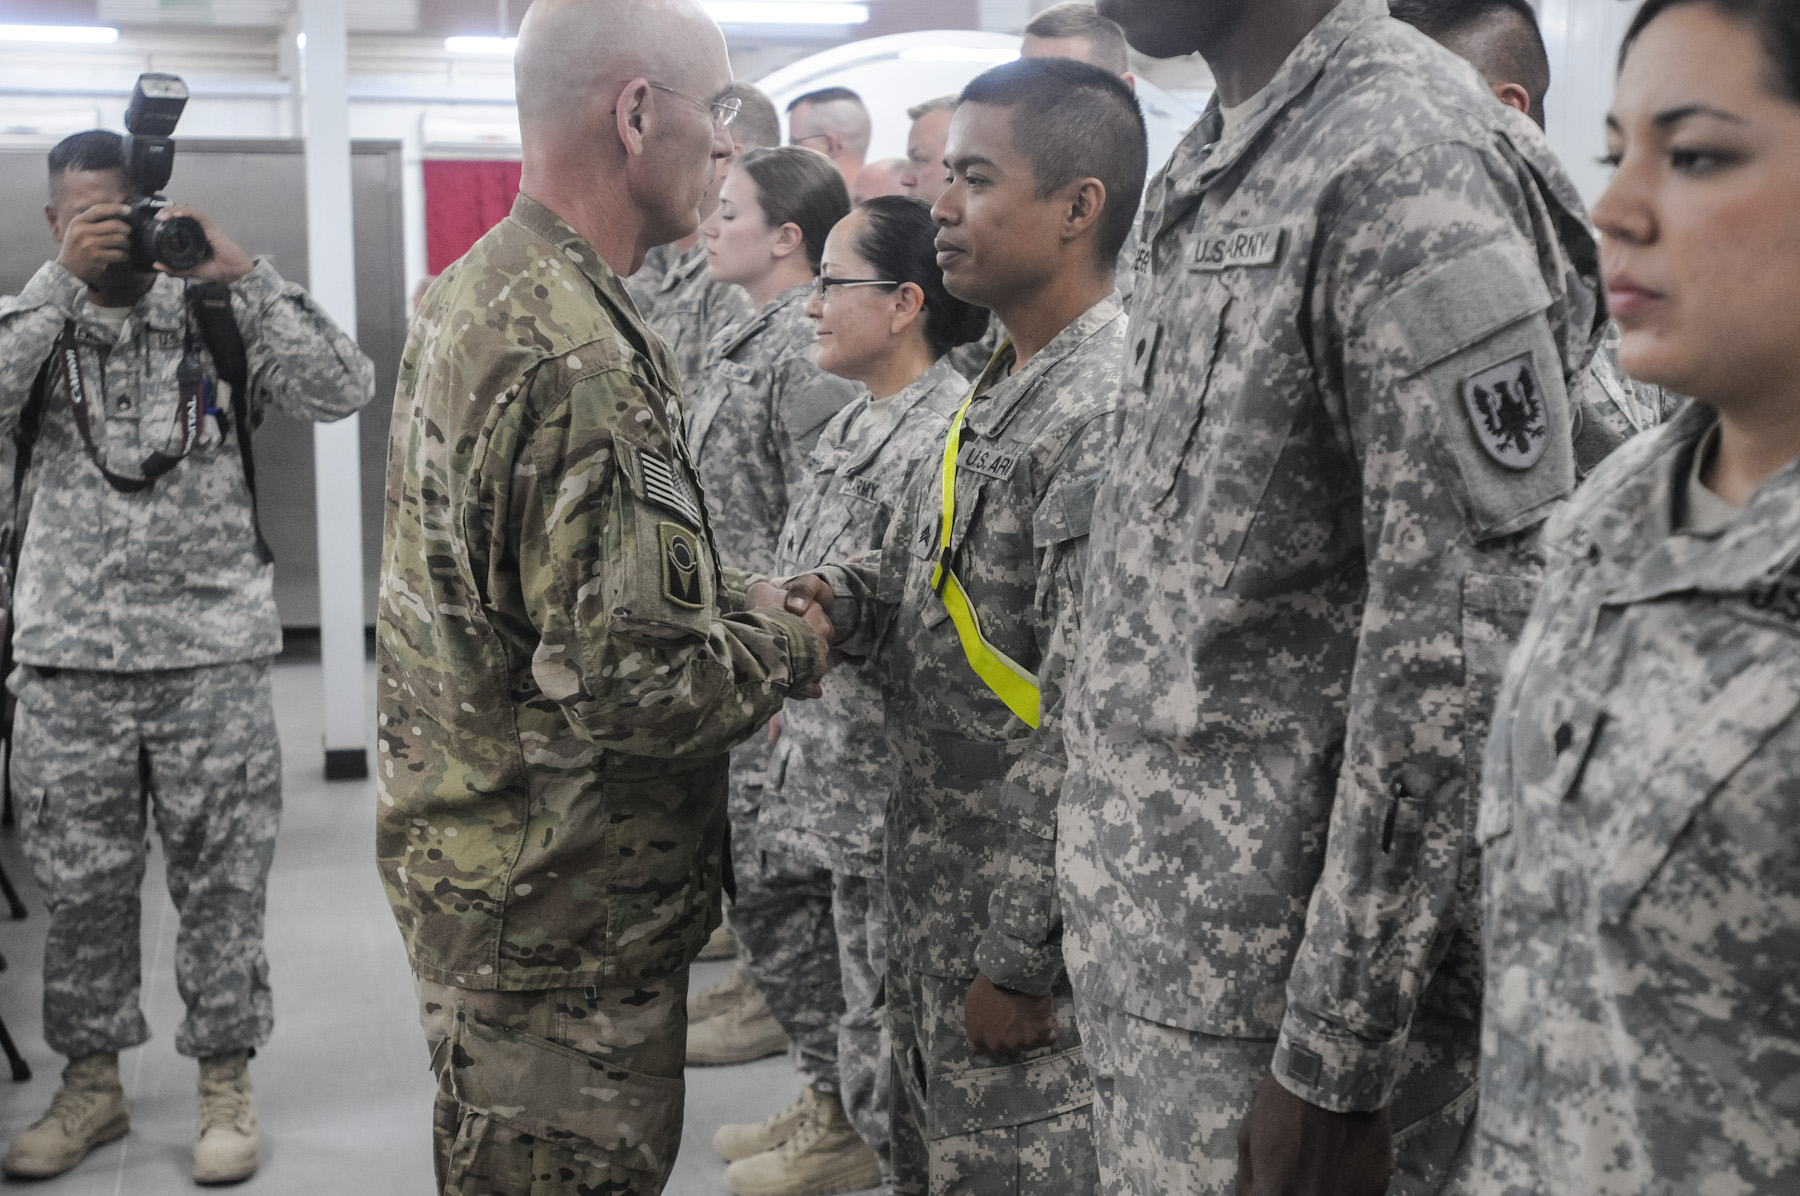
(343, 1088)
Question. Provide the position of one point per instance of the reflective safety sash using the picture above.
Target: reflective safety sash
(1011, 682)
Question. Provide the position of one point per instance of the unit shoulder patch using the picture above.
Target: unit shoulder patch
(990, 462)
(1506, 406)
(681, 566)
(1238, 247)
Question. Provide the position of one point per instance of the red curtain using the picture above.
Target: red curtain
(462, 201)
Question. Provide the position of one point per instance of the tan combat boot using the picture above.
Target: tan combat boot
(722, 944)
(710, 1002)
(734, 1142)
(743, 1031)
(824, 1157)
(225, 1146)
(87, 1111)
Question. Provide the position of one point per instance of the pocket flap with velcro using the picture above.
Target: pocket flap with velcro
(992, 1098)
(1066, 513)
(1729, 730)
(605, 1114)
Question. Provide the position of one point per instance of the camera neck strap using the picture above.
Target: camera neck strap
(82, 398)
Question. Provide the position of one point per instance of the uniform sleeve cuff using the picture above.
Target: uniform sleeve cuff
(259, 288)
(845, 611)
(1323, 1063)
(1030, 968)
(53, 286)
(805, 664)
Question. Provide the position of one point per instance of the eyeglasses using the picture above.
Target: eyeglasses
(822, 285)
(723, 111)
(827, 138)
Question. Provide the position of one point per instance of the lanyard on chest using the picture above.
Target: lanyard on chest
(193, 408)
(1011, 682)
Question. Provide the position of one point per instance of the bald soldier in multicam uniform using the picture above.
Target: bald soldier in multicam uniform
(561, 670)
(1345, 416)
(991, 1092)
(145, 630)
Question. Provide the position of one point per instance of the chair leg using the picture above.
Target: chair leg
(13, 903)
(21, 1070)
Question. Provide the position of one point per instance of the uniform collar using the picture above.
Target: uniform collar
(998, 395)
(744, 330)
(162, 309)
(544, 223)
(1633, 525)
(683, 268)
(941, 377)
(1205, 151)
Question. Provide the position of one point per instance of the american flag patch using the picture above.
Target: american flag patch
(665, 487)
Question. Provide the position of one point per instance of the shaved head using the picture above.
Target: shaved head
(620, 119)
(835, 122)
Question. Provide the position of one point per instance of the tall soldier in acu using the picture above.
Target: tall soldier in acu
(1366, 291)
(145, 622)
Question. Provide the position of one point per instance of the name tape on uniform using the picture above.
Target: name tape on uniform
(667, 488)
(990, 462)
(863, 488)
(1238, 248)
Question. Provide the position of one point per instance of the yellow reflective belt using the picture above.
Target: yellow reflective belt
(1011, 683)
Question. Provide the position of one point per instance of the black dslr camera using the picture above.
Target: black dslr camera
(179, 242)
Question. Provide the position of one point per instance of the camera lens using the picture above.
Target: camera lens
(179, 243)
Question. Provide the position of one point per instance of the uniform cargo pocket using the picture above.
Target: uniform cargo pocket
(603, 1114)
(1017, 1094)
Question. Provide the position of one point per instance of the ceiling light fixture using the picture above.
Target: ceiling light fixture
(496, 46)
(793, 12)
(93, 35)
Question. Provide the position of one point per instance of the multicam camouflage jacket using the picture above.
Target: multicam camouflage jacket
(1033, 445)
(690, 309)
(1642, 875)
(829, 779)
(166, 577)
(1345, 414)
(560, 680)
(758, 413)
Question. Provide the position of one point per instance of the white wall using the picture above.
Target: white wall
(1583, 38)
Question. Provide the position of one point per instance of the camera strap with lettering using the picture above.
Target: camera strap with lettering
(1011, 682)
(67, 356)
(210, 305)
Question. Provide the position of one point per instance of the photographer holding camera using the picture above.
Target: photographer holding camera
(145, 620)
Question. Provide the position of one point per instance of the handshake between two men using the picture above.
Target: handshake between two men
(808, 596)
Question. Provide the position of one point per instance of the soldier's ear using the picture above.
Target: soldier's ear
(1086, 200)
(631, 116)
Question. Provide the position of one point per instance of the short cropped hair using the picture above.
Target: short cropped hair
(96, 149)
(941, 104)
(757, 124)
(1074, 121)
(828, 95)
(1776, 23)
(1078, 18)
(799, 186)
(1522, 60)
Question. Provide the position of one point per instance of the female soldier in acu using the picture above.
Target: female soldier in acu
(1642, 790)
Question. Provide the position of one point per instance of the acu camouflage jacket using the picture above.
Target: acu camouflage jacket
(167, 577)
(1345, 414)
(689, 309)
(1641, 825)
(560, 679)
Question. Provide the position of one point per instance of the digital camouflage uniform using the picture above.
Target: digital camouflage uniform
(829, 779)
(1345, 413)
(752, 424)
(560, 682)
(689, 309)
(1642, 876)
(644, 286)
(1033, 446)
(145, 623)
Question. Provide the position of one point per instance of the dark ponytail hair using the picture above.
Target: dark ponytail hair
(798, 186)
(1777, 25)
(898, 240)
